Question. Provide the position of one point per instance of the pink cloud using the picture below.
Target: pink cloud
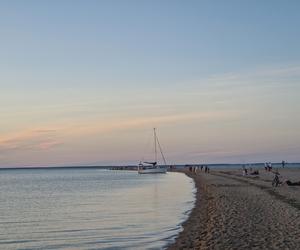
(43, 139)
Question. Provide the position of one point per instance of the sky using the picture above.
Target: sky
(85, 82)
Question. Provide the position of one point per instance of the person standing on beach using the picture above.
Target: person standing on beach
(283, 164)
(276, 181)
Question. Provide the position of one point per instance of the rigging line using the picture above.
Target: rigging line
(162, 154)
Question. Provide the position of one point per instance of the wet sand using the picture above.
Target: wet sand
(233, 211)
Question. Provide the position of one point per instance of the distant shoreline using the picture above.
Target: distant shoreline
(130, 167)
(72, 167)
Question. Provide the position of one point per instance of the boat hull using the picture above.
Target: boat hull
(152, 171)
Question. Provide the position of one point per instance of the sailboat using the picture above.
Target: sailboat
(153, 167)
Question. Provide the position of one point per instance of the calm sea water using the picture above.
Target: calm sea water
(91, 209)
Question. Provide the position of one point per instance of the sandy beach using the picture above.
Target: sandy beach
(233, 211)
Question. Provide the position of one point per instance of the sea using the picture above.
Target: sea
(78, 208)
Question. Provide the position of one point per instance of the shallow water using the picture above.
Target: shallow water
(91, 209)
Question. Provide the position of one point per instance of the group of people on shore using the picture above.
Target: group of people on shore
(195, 169)
(277, 178)
(268, 165)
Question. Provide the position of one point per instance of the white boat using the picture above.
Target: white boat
(153, 167)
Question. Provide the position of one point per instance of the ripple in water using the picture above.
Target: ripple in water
(91, 209)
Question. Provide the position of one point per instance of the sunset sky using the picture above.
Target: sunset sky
(84, 82)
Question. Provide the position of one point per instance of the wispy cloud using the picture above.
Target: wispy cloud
(48, 138)
(128, 123)
(249, 91)
(45, 131)
(37, 139)
(259, 78)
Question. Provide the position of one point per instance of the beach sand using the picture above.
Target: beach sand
(233, 211)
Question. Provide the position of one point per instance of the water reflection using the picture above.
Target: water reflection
(90, 209)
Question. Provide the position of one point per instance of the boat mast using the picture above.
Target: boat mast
(155, 149)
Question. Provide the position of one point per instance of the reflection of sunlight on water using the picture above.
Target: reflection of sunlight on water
(83, 209)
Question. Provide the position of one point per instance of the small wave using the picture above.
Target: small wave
(16, 242)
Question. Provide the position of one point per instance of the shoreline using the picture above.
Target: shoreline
(233, 211)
